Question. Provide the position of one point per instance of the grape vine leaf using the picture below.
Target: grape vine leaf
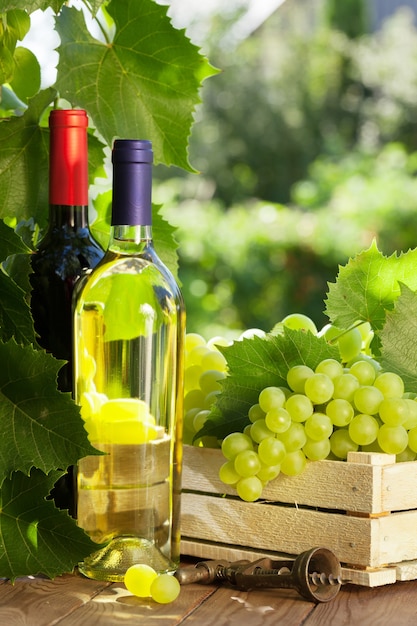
(368, 286)
(39, 425)
(399, 339)
(145, 83)
(37, 538)
(257, 363)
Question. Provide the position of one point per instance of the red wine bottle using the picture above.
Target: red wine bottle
(66, 252)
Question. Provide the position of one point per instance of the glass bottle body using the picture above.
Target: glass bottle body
(129, 326)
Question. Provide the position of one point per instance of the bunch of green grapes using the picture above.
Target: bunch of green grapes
(320, 414)
(205, 367)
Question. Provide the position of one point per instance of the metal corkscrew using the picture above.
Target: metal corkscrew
(315, 574)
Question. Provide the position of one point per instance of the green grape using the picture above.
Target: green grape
(317, 450)
(364, 371)
(192, 340)
(256, 413)
(247, 463)
(200, 419)
(214, 360)
(268, 472)
(297, 376)
(271, 397)
(411, 420)
(363, 429)
(406, 456)
(278, 420)
(332, 368)
(367, 399)
(299, 407)
(372, 447)
(340, 411)
(249, 489)
(227, 473)
(214, 342)
(259, 430)
(393, 439)
(209, 380)
(318, 426)
(271, 451)
(341, 443)
(298, 321)
(345, 387)
(349, 341)
(165, 589)
(210, 399)
(192, 377)
(412, 439)
(246, 430)
(189, 418)
(234, 443)
(139, 578)
(193, 399)
(294, 438)
(319, 388)
(390, 384)
(394, 411)
(294, 463)
(195, 356)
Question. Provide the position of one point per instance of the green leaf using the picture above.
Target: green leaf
(26, 80)
(37, 538)
(30, 6)
(145, 83)
(24, 163)
(10, 243)
(15, 318)
(368, 286)
(256, 363)
(6, 64)
(39, 426)
(18, 23)
(399, 339)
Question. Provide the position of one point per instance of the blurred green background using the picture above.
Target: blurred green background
(306, 146)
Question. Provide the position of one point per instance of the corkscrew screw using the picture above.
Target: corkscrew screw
(315, 574)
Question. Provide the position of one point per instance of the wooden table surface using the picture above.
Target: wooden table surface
(72, 600)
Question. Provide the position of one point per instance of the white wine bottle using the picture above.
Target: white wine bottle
(129, 327)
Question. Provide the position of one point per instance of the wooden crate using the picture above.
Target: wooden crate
(364, 510)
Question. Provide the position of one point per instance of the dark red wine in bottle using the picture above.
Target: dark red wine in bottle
(66, 253)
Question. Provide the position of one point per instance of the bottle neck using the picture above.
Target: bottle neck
(68, 216)
(68, 160)
(130, 239)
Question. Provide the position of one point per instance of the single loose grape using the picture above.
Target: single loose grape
(165, 588)
(139, 578)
